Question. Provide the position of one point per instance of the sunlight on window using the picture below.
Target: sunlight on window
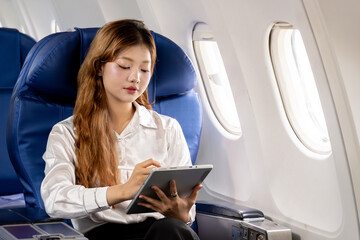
(215, 79)
(54, 26)
(298, 88)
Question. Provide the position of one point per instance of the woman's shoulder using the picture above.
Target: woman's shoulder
(159, 120)
(64, 125)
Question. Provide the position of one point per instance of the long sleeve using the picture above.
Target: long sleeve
(61, 196)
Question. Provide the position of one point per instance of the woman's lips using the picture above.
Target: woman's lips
(131, 90)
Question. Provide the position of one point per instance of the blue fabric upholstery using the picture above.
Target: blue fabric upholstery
(46, 91)
(14, 46)
(171, 88)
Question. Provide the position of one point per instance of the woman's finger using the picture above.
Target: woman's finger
(148, 163)
(148, 205)
(150, 200)
(145, 171)
(161, 195)
(173, 189)
(194, 193)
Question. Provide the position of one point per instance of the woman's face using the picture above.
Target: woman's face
(128, 76)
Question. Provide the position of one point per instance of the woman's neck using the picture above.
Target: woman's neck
(121, 116)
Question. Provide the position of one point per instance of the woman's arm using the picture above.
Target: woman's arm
(62, 197)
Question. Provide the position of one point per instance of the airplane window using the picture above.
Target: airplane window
(215, 79)
(298, 89)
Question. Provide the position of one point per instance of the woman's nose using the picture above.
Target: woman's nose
(135, 76)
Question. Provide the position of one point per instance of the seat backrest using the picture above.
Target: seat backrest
(14, 46)
(46, 91)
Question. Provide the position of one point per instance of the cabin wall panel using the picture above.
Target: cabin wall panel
(9, 15)
(266, 167)
(119, 9)
(176, 19)
(80, 13)
(342, 21)
(227, 152)
(284, 162)
(244, 150)
(37, 16)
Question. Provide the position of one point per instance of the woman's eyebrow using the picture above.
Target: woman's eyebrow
(131, 60)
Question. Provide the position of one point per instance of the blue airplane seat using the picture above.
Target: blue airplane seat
(14, 46)
(171, 90)
(45, 94)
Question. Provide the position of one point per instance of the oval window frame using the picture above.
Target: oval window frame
(201, 34)
(277, 38)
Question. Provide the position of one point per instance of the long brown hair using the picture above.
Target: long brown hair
(95, 148)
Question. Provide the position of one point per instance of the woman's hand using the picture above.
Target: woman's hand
(138, 176)
(126, 191)
(173, 205)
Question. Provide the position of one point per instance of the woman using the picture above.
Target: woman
(114, 125)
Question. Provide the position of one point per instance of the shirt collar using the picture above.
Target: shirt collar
(144, 117)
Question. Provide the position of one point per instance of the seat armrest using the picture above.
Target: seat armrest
(229, 210)
(221, 220)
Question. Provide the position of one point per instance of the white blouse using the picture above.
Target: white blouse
(148, 135)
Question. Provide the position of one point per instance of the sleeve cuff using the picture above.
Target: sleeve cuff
(95, 200)
(192, 213)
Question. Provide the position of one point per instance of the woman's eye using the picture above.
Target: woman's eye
(122, 67)
(145, 70)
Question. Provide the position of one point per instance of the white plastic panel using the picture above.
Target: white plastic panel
(37, 17)
(79, 13)
(8, 15)
(116, 9)
(265, 168)
(342, 19)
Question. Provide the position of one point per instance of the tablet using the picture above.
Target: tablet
(186, 179)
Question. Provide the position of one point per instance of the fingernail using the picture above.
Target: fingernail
(152, 187)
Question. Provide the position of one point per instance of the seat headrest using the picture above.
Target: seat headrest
(56, 60)
(173, 73)
(14, 47)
